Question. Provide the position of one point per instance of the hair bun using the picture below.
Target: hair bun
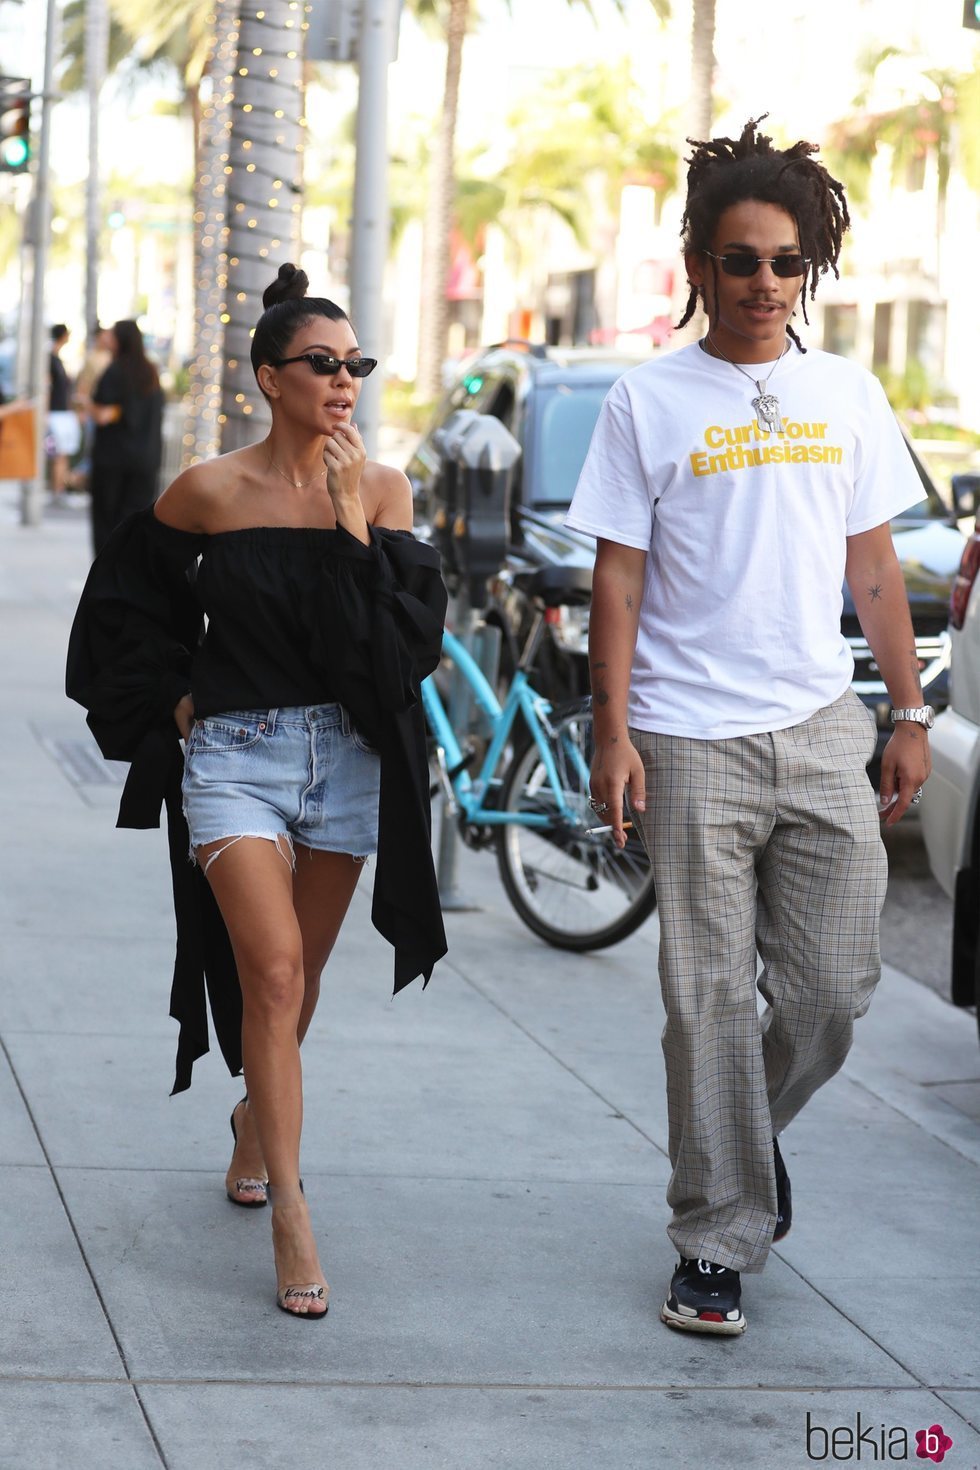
(290, 285)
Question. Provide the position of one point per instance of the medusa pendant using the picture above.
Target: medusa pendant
(767, 414)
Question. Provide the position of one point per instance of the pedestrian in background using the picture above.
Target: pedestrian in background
(733, 485)
(98, 356)
(127, 410)
(64, 429)
(305, 742)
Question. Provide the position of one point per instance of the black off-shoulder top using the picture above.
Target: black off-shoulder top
(257, 588)
(295, 617)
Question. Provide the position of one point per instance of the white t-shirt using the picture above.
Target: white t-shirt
(745, 531)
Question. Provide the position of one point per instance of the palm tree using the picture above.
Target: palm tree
(182, 37)
(437, 229)
(211, 237)
(263, 199)
(702, 68)
(575, 173)
(452, 17)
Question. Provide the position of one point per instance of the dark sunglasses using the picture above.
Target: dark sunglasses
(326, 367)
(746, 265)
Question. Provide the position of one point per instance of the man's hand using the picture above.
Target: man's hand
(616, 768)
(905, 767)
(184, 716)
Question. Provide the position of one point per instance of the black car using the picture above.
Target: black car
(549, 399)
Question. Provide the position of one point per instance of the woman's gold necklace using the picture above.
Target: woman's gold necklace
(296, 484)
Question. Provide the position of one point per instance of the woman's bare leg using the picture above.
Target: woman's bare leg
(252, 882)
(282, 928)
(323, 886)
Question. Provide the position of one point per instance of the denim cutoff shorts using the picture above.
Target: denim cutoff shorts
(302, 772)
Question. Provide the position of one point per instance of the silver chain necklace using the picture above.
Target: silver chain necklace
(296, 484)
(767, 412)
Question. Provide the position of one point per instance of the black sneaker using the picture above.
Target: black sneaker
(784, 1196)
(704, 1297)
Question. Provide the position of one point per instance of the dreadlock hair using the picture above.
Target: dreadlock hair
(724, 171)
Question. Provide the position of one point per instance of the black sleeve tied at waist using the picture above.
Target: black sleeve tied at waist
(129, 657)
(377, 618)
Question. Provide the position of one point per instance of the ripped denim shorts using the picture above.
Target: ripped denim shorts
(302, 774)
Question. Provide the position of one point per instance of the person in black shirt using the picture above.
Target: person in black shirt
(64, 430)
(304, 735)
(127, 410)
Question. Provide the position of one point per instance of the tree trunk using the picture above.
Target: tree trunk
(434, 321)
(212, 116)
(702, 68)
(263, 200)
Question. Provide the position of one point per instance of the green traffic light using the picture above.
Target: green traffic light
(15, 152)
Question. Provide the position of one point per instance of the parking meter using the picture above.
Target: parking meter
(473, 528)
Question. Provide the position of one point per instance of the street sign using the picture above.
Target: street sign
(334, 26)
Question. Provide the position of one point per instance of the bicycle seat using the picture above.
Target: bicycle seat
(557, 586)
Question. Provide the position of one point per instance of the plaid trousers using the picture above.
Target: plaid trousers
(765, 843)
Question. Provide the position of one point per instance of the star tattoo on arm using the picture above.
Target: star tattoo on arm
(875, 592)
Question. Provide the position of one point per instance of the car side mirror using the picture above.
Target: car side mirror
(966, 495)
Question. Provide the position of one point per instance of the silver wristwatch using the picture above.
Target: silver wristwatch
(922, 714)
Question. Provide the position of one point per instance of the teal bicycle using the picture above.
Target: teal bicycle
(563, 874)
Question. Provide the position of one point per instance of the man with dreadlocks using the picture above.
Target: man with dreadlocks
(733, 485)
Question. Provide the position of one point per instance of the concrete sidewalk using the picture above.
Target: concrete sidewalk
(486, 1167)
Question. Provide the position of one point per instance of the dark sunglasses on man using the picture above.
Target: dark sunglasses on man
(743, 264)
(325, 366)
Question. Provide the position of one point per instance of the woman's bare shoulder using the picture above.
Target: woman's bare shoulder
(388, 496)
(198, 500)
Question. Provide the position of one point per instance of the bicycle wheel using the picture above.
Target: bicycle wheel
(575, 891)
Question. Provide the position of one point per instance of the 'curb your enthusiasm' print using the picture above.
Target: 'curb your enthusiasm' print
(746, 445)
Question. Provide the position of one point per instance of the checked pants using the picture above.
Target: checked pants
(761, 844)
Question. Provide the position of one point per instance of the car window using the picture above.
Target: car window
(931, 506)
(563, 419)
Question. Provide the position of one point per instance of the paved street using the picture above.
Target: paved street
(486, 1164)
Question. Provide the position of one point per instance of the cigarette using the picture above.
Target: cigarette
(600, 831)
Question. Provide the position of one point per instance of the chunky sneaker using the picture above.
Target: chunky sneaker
(704, 1297)
(784, 1196)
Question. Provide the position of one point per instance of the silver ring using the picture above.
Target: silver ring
(916, 798)
(599, 806)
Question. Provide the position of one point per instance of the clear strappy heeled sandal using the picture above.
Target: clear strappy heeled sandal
(314, 1292)
(256, 1187)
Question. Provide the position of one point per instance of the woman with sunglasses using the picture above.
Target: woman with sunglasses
(304, 751)
(732, 486)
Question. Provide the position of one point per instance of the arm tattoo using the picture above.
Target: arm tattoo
(629, 602)
(875, 592)
(601, 697)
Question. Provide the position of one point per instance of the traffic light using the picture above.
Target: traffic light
(15, 124)
(971, 14)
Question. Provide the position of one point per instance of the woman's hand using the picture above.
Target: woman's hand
(344, 457)
(184, 716)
